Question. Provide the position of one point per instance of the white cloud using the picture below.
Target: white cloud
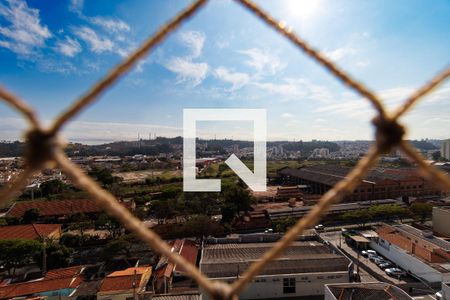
(111, 25)
(194, 40)
(188, 71)
(296, 89)
(98, 44)
(263, 61)
(68, 47)
(24, 32)
(236, 79)
(184, 67)
(340, 53)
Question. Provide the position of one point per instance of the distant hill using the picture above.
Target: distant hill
(11, 149)
(163, 145)
(424, 145)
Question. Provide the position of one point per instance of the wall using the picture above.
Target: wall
(441, 220)
(406, 261)
(114, 296)
(271, 286)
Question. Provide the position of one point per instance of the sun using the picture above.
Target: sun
(303, 9)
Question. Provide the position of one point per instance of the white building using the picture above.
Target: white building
(302, 269)
(441, 220)
(407, 246)
(320, 153)
(445, 149)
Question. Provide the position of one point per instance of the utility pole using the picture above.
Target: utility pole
(44, 258)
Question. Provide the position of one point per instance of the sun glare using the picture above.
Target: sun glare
(303, 9)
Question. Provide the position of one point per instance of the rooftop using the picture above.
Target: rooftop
(55, 207)
(330, 174)
(367, 291)
(59, 279)
(419, 233)
(126, 279)
(229, 260)
(28, 232)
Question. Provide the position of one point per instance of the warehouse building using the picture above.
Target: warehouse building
(300, 271)
(378, 184)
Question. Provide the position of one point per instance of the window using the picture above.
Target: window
(289, 285)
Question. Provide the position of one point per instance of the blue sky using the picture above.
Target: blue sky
(52, 51)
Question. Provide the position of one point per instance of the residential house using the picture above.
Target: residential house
(127, 284)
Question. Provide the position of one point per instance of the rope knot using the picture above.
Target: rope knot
(40, 147)
(222, 291)
(389, 133)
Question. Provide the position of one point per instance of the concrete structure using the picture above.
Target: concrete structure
(445, 149)
(378, 184)
(364, 291)
(441, 220)
(125, 285)
(417, 252)
(302, 269)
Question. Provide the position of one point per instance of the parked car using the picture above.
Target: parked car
(366, 253)
(319, 227)
(395, 272)
(379, 261)
(386, 265)
(374, 257)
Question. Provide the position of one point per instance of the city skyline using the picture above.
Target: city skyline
(52, 53)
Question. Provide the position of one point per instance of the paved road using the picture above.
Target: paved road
(336, 239)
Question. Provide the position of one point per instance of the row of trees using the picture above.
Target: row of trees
(232, 200)
(420, 211)
(18, 253)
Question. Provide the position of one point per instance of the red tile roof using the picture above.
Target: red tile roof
(123, 280)
(28, 232)
(55, 207)
(186, 249)
(54, 280)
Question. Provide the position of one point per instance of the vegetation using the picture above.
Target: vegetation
(58, 256)
(18, 253)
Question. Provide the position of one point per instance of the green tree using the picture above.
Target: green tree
(161, 210)
(81, 223)
(58, 256)
(51, 187)
(421, 210)
(283, 224)
(102, 175)
(18, 253)
(234, 200)
(113, 226)
(436, 155)
(30, 216)
(115, 247)
(201, 225)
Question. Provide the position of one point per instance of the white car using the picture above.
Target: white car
(395, 272)
(366, 253)
(319, 227)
